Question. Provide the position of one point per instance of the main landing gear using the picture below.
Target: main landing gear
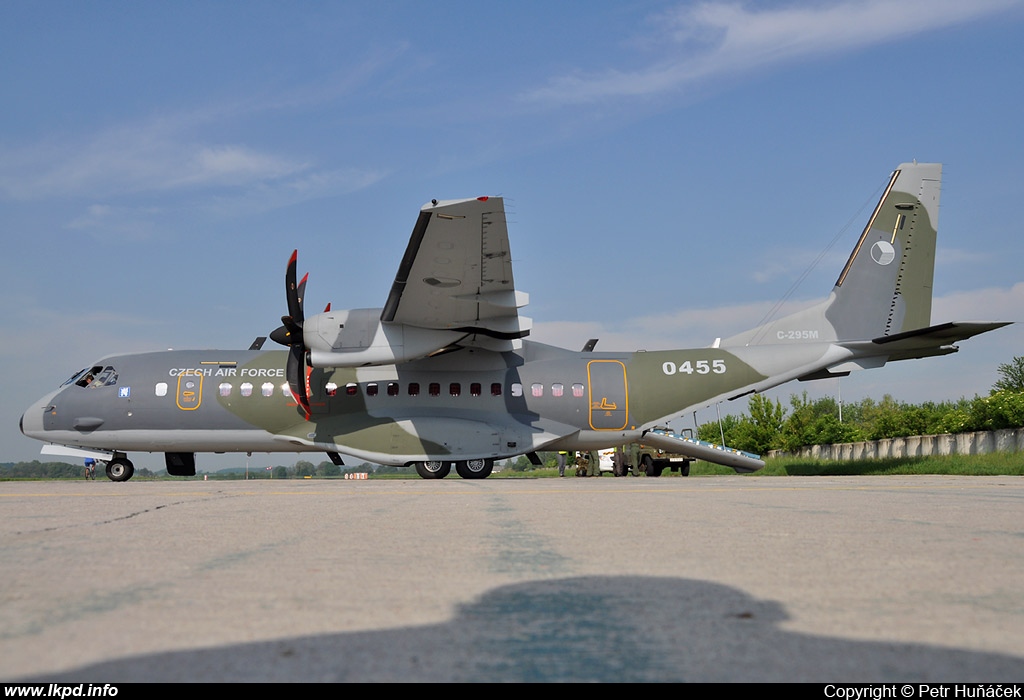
(120, 469)
(469, 469)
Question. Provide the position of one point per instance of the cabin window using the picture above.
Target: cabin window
(224, 389)
(414, 388)
(517, 389)
(496, 389)
(267, 389)
(454, 388)
(557, 389)
(246, 389)
(537, 389)
(331, 389)
(351, 389)
(474, 389)
(435, 389)
(161, 389)
(392, 388)
(577, 390)
(286, 389)
(372, 389)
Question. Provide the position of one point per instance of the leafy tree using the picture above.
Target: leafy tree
(326, 468)
(1011, 376)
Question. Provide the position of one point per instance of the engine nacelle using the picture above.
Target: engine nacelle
(357, 338)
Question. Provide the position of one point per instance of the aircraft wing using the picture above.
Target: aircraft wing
(456, 273)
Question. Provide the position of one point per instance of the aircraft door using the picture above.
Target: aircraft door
(609, 400)
(190, 391)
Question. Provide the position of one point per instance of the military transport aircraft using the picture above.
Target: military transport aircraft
(443, 375)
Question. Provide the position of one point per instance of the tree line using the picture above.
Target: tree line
(770, 426)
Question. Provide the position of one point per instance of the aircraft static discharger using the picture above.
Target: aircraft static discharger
(443, 374)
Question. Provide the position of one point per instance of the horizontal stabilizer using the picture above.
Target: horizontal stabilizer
(944, 332)
(923, 342)
(698, 449)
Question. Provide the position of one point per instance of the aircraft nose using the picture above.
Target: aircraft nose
(31, 422)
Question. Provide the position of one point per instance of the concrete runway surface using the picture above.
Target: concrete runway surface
(733, 578)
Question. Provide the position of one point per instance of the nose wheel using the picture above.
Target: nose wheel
(120, 469)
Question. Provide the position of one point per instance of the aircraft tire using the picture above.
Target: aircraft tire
(433, 469)
(120, 469)
(475, 468)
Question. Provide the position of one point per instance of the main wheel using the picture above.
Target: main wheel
(433, 470)
(475, 468)
(120, 469)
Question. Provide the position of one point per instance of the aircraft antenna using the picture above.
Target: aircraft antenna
(810, 268)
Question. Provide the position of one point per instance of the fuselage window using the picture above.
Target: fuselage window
(267, 389)
(331, 389)
(351, 389)
(392, 388)
(161, 389)
(435, 389)
(557, 389)
(414, 388)
(286, 389)
(517, 389)
(454, 388)
(246, 389)
(474, 389)
(577, 390)
(224, 389)
(537, 389)
(371, 389)
(496, 389)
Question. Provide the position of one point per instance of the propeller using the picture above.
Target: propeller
(290, 335)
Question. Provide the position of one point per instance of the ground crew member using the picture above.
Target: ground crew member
(562, 456)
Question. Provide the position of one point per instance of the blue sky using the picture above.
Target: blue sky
(669, 168)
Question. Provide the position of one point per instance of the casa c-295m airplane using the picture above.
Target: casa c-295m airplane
(443, 374)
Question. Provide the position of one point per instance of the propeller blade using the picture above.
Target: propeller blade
(291, 289)
(301, 295)
(296, 371)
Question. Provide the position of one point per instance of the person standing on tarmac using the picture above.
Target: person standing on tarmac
(562, 456)
(594, 467)
(634, 459)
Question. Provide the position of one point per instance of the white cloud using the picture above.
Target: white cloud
(714, 39)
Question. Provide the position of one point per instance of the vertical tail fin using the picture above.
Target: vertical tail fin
(886, 286)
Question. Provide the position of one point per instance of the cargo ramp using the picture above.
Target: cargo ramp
(742, 462)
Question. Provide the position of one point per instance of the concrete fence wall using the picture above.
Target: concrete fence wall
(980, 443)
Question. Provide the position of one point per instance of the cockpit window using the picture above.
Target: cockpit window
(76, 376)
(96, 376)
(99, 376)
